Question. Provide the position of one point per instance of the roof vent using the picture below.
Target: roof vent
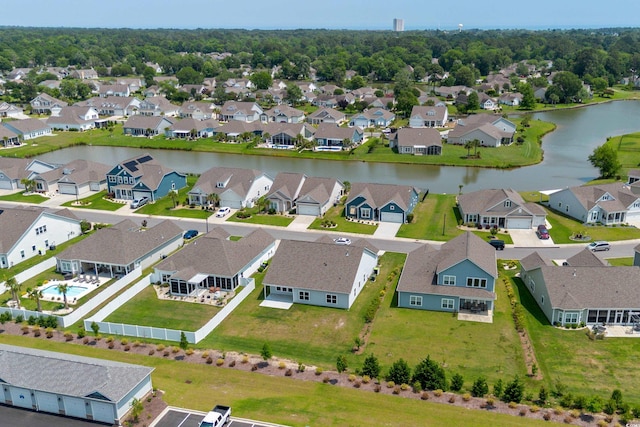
(574, 272)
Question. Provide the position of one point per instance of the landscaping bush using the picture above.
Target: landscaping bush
(36, 331)
(357, 383)
(396, 390)
(81, 331)
(245, 359)
(480, 387)
(205, 354)
(209, 360)
(19, 317)
(49, 332)
(326, 379)
(424, 395)
(523, 412)
(430, 375)
(68, 336)
(25, 330)
(514, 391)
(231, 364)
(85, 340)
(457, 381)
(318, 371)
(151, 352)
(219, 362)
(437, 392)
(466, 397)
(127, 347)
(417, 388)
(377, 388)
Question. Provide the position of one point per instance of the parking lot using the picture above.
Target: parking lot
(173, 417)
(16, 417)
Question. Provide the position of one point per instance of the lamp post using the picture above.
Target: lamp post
(206, 221)
(444, 223)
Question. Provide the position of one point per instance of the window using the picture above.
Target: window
(332, 299)
(173, 185)
(532, 285)
(571, 317)
(447, 304)
(475, 282)
(415, 300)
(33, 248)
(112, 179)
(449, 280)
(566, 208)
(119, 180)
(365, 213)
(304, 296)
(352, 210)
(559, 204)
(507, 203)
(541, 299)
(392, 208)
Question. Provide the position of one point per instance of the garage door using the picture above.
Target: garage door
(21, 397)
(312, 210)
(5, 184)
(103, 412)
(633, 216)
(66, 188)
(395, 217)
(47, 402)
(74, 407)
(141, 194)
(519, 223)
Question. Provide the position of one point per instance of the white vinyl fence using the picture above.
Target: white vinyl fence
(31, 272)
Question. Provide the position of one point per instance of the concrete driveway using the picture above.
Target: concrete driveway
(301, 222)
(386, 230)
(528, 239)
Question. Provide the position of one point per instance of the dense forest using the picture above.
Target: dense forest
(379, 55)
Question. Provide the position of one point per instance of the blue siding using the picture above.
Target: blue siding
(319, 298)
(165, 185)
(429, 302)
(466, 269)
(387, 208)
(355, 202)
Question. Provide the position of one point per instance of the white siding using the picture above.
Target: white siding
(565, 201)
(47, 402)
(365, 269)
(259, 188)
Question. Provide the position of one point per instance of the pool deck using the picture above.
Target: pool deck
(72, 282)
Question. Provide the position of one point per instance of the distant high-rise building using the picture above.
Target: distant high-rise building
(398, 24)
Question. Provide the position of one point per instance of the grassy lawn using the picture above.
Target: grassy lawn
(284, 400)
(586, 367)
(621, 262)
(146, 309)
(256, 218)
(95, 201)
(309, 334)
(20, 197)
(462, 347)
(336, 214)
(563, 227)
(165, 205)
(628, 148)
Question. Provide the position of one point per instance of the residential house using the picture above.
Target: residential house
(158, 106)
(78, 177)
(13, 170)
(431, 101)
(329, 89)
(28, 128)
(487, 102)
(234, 187)
(317, 195)
(235, 128)
(418, 141)
(636, 256)
(607, 204)
(80, 387)
(192, 129)
(28, 232)
(451, 92)
(84, 74)
(112, 105)
(633, 175)
(8, 137)
(119, 249)
(146, 125)
(540, 93)
(284, 191)
(364, 92)
(114, 90)
(490, 130)
(283, 114)
(511, 99)
(326, 115)
(428, 116)
(585, 258)
(458, 278)
(381, 202)
(74, 118)
(240, 111)
(329, 135)
(334, 101)
(374, 102)
(591, 295)
(198, 111)
(375, 117)
(193, 90)
(10, 110)
(214, 261)
(143, 176)
(286, 135)
(503, 208)
(156, 67)
(133, 83)
(318, 273)
(42, 104)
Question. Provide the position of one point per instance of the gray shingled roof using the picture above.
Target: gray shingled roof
(410, 137)
(213, 255)
(315, 266)
(491, 201)
(287, 184)
(4, 131)
(379, 195)
(423, 112)
(588, 195)
(28, 125)
(318, 189)
(121, 244)
(146, 122)
(240, 180)
(68, 374)
(576, 288)
(79, 172)
(333, 131)
(471, 247)
(15, 221)
(534, 260)
(14, 168)
(586, 258)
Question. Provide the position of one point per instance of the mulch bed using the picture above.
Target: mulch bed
(154, 405)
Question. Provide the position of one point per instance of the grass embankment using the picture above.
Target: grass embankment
(336, 215)
(283, 400)
(20, 197)
(628, 149)
(261, 218)
(95, 201)
(515, 155)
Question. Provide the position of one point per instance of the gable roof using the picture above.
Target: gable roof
(492, 201)
(586, 258)
(213, 254)
(68, 374)
(425, 112)
(588, 196)
(315, 266)
(323, 113)
(14, 168)
(287, 184)
(79, 172)
(239, 180)
(411, 137)
(15, 221)
(27, 125)
(534, 260)
(318, 189)
(470, 247)
(122, 243)
(378, 195)
(146, 122)
(333, 131)
(71, 115)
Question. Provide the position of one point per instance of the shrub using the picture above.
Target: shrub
(430, 375)
(190, 351)
(404, 386)
(534, 409)
(399, 372)
(417, 388)
(513, 405)
(514, 391)
(232, 363)
(151, 352)
(301, 367)
(574, 413)
(19, 318)
(68, 336)
(341, 363)
(558, 410)
(351, 378)
(466, 397)
(498, 388)
(209, 360)
(175, 349)
(371, 366)
(245, 359)
(127, 347)
(357, 383)
(318, 371)
(36, 331)
(205, 354)
(546, 416)
(109, 339)
(377, 388)
(254, 367)
(396, 390)
(49, 332)
(282, 365)
(124, 341)
(25, 329)
(136, 343)
(166, 353)
(326, 379)
(81, 332)
(490, 402)
(391, 384)
(568, 420)
(160, 347)
(219, 362)
(452, 398)
(457, 381)
(424, 395)
(366, 379)
(480, 387)
(410, 217)
(437, 392)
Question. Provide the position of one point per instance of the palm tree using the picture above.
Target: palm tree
(213, 199)
(173, 194)
(476, 144)
(468, 145)
(14, 287)
(5, 140)
(347, 143)
(35, 295)
(63, 288)
(29, 184)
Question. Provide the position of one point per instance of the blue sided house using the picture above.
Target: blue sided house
(381, 202)
(459, 278)
(143, 176)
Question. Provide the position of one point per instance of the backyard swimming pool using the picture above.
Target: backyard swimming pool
(72, 291)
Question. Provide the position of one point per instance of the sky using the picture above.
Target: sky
(330, 14)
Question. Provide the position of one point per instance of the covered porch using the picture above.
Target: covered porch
(476, 310)
(98, 269)
(195, 284)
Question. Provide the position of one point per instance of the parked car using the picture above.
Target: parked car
(218, 416)
(542, 232)
(342, 241)
(599, 245)
(498, 244)
(190, 234)
(222, 212)
(137, 203)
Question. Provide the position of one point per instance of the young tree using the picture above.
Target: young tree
(95, 328)
(183, 341)
(266, 352)
(514, 391)
(528, 97)
(430, 375)
(498, 388)
(457, 381)
(371, 366)
(35, 294)
(63, 288)
(173, 194)
(399, 372)
(136, 409)
(480, 387)
(341, 364)
(13, 285)
(262, 80)
(473, 102)
(605, 158)
(294, 94)
(543, 395)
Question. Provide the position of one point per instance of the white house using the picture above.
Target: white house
(234, 187)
